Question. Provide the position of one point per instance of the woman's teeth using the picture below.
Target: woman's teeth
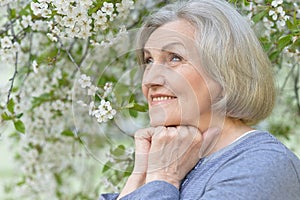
(162, 98)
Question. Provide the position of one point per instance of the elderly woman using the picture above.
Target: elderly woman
(207, 80)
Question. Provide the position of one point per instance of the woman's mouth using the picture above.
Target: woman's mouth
(158, 99)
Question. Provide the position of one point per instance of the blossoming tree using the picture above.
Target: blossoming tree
(74, 93)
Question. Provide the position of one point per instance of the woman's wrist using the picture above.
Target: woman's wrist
(134, 181)
(137, 178)
(162, 177)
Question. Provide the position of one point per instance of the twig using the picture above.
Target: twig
(296, 88)
(68, 53)
(30, 56)
(72, 44)
(12, 79)
(85, 52)
(287, 77)
(83, 57)
(7, 26)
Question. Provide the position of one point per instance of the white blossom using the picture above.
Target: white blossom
(85, 81)
(92, 90)
(86, 3)
(107, 89)
(100, 17)
(52, 37)
(26, 21)
(40, 9)
(39, 25)
(104, 111)
(6, 42)
(275, 3)
(91, 108)
(124, 7)
(15, 47)
(107, 8)
(72, 32)
(35, 67)
(279, 16)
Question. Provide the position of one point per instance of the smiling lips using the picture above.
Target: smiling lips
(157, 99)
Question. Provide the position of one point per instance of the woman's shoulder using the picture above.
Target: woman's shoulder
(262, 145)
(260, 161)
(255, 145)
(257, 166)
(259, 156)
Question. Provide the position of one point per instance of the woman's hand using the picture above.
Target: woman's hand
(168, 154)
(175, 151)
(137, 178)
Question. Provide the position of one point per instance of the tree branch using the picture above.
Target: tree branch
(68, 53)
(85, 52)
(287, 78)
(12, 79)
(296, 88)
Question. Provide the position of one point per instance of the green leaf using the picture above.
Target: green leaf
(135, 106)
(133, 113)
(19, 126)
(296, 44)
(140, 108)
(289, 24)
(259, 16)
(106, 167)
(130, 105)
(284, 41)
(6, 117)
(11, 106)
(58, 178)
(274, 55)
(37, 101)
(13, 13)
(120, 150)
(19, 115)
(67, 133)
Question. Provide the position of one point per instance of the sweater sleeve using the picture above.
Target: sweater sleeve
(109, 196)
(155, 190)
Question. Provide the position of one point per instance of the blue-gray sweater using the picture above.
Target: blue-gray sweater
(256, 167)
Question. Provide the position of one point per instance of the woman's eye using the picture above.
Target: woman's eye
(175, 58)
(148, 61)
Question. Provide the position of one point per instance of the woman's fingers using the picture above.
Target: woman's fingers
(173, 153)
(142, 140)
(169, 153)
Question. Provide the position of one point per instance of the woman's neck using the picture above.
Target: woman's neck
(230, 130)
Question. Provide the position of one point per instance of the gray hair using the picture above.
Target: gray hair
(230, 53)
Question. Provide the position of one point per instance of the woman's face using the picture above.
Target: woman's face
(177, 89)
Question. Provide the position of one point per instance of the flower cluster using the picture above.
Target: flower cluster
(73, 18)
(104, 111)
(278, 14)
(8, 49)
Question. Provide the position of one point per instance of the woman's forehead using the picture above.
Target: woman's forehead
(176, 33)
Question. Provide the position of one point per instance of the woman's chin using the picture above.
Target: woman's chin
(155, 123)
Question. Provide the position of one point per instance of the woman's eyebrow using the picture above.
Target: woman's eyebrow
(167, 47)
(146, 51)
(171, 46)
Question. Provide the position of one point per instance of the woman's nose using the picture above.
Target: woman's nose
(154, 75)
